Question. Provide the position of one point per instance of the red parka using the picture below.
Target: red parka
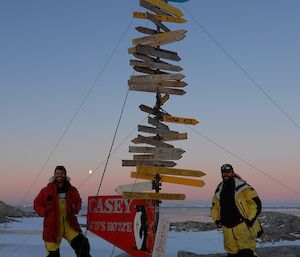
(46, 205)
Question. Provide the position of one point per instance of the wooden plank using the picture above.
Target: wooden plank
(157, 157)
(147, 129)
(157, 77)
(155, 89)
(159, 24)
(170, 179)
(135, 187)
(166, 7)
(164, 99)
(148, 71)
(150, 163)
(154, 142)
(153, 196)
(152, 7)
(169, 171)
(156, 52)
(159, 17)
(188, 121)
(161, 37)
(146, 30)
(166, 83)
(155, 65)
(162, 137)
(155, 150)
(144, 57)
(150, 110)
(158, 124)
(173, 137)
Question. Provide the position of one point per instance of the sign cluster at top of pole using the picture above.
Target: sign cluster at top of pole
(159, 75)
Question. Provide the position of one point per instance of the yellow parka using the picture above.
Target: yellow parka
(244, 200)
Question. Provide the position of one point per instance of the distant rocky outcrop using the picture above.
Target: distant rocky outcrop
(276, 226)
(7, 213)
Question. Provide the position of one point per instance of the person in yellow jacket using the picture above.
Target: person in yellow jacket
(235, 209)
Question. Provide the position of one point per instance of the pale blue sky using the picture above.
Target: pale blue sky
(52, 52)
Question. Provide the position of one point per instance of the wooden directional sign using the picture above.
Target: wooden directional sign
(147, 70)
(136, 187)
(169, 171)
(188, 121)
(156, 78)
(175, 35)
(155, 89)
(157, 157)
(153, 196)
(150, 163)
(146, 30)
(155, 65)
(147, 129)
(162, 137)
(149, 50)
(170, 179)
(155, 150)
(160, 83)
(152, 8)
(153, 141)
(166, 7)
(160, 17)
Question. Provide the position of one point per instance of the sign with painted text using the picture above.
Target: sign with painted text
(127, 223)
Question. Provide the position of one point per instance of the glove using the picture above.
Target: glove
(218, 223)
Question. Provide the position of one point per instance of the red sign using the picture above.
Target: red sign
(126, 223)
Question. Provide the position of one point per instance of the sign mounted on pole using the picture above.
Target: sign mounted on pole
(166, 7)
(187, 121)
(169, 171)
(153, 196)
(126, 223)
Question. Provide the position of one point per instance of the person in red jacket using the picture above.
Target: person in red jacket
(58, 203)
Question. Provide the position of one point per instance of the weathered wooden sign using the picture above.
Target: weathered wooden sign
(131, 163)
(171, 36)
(160, 17)
(166, 7)
(135, 187)
(156, 89)
(153, 196)
(188, 121)
(160, 156)
(155, 150)
(149, 50)
(169, 171)
(170, 179)
(156, 77)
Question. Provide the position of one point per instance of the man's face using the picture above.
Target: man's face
(226, 175)
(60, 176)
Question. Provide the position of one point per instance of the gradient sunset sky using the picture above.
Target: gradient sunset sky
(64, 68)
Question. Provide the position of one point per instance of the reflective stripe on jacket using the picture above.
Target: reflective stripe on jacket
(46, 205)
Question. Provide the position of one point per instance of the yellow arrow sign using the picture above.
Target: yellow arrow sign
(168, 179)
(153, 196)
(188, 121)
(166, 7)
(142, 15)
(169, 171)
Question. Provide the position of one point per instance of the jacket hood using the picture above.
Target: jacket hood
(52, 179)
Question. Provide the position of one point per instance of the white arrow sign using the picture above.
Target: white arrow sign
(136, 187)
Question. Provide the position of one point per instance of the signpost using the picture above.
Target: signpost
(131, 220)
